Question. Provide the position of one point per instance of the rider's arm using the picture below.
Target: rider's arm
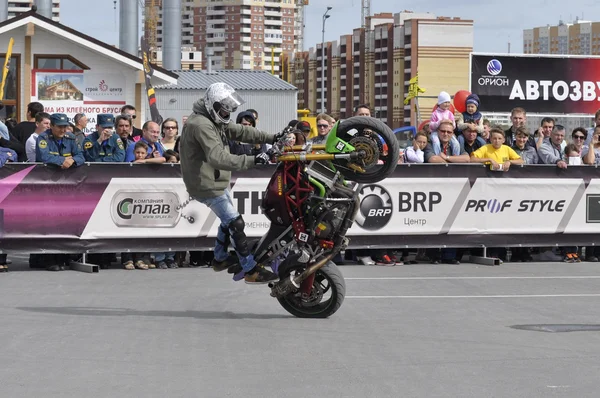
(214, 148)
(248, 135)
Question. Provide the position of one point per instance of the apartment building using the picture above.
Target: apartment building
(190, 59)
(577, 38)
(238, 34)
(16, 7)
(373, 66)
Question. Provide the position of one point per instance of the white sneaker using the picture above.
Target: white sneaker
(366, 261)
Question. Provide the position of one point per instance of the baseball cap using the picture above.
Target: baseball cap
(303, 126)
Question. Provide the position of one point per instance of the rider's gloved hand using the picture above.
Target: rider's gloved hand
(261, 158)
(281, 134)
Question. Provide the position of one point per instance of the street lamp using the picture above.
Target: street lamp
(325, 16)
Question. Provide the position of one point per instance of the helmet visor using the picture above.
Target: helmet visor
(231, 102)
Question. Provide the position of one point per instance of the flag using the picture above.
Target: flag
(6, 67)
(148, 72)
(413, 89)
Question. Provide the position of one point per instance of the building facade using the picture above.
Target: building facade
(577, 38)
(17, 7)
(374, 66)
(190, 58)
(236, 34)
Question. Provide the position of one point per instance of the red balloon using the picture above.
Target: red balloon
(423, 123)
(460, 99)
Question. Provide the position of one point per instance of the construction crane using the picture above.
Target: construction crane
(150, 15)
(365, 13)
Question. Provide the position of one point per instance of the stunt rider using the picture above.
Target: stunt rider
(206, 166)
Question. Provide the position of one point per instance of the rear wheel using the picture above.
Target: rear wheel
(325, 298)
(378, 142)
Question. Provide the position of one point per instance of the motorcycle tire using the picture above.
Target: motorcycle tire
(374, 173)
(330, 272)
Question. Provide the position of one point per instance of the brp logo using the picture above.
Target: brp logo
(375, 207)
(494, 67)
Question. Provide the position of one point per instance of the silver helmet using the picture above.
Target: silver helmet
(221, 101)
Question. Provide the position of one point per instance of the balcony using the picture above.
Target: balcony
(273, 22)
(407, 46)
(210, 12)
(246, 30)
(246, 11)
(272, 40)
(268, 59)
(276, 14)
(246, 48)
(215, 39)
(246, 21)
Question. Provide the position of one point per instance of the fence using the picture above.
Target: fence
(115, 207)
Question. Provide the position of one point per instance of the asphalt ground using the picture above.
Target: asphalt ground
(406, 331)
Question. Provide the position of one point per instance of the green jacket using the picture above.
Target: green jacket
(206, 163)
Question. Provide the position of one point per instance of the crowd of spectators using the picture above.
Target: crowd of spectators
(449, 137)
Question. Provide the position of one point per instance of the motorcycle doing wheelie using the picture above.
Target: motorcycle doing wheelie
(311, 202)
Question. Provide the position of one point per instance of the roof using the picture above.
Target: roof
(238, 79)
(84, 40)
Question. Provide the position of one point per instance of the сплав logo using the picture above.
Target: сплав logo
(375, 208)
(494, 67)
(145, 209)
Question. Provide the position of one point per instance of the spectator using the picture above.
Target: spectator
(7, 155)
(305, 129)
(442, 113)
(573, 155)
(300, 137)
(140, 151)
(255, 114)
(129, 110)
(170, 130)
(551, 151)
(57, 147)
(171, 156)
(579, 138)
(245, 118)
(150, 133)
(522, 147)
(324, 125)
(80, 121)
(447, 152)
(472, 118)
(486, 130)
(469, 139)
(415, 154)
(76, 130)
(518, 118)
(546, 127)
(590, 131)
(13, 144)
(42, 122)
(104, 145)
(24, 130)
(362, 110)
(123, 126)
(592, 156)
(499, 156)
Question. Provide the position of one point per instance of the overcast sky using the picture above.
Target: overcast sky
(495, 22)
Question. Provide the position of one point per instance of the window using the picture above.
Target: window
(11, 91)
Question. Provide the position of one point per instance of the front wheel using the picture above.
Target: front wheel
(379, 144)
(326, 296)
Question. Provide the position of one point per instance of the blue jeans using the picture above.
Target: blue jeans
(162, 256)
(223, 207)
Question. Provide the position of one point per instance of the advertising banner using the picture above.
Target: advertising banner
(538, 83)
(116, 207)
(73, 92)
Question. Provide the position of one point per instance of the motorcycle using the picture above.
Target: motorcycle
(311, 202)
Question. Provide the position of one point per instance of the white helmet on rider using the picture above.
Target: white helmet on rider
(221, 101)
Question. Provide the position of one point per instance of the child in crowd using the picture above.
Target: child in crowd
(472, 118)
(442, 112)
(140, 150)
(171, 156)
(573, 155)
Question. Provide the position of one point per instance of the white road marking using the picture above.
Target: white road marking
(417, 278)
(487, 296)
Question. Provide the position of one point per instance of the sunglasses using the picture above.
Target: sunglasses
(579, 137)
(446, 131)
(322, 126)
(170, 127)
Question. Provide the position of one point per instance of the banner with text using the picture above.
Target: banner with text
(538, 83)
(73, 92)
(111, 207)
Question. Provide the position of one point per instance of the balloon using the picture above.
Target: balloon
(423, 123)
(460, 99)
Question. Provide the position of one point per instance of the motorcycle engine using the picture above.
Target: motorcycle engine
(328, 221)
